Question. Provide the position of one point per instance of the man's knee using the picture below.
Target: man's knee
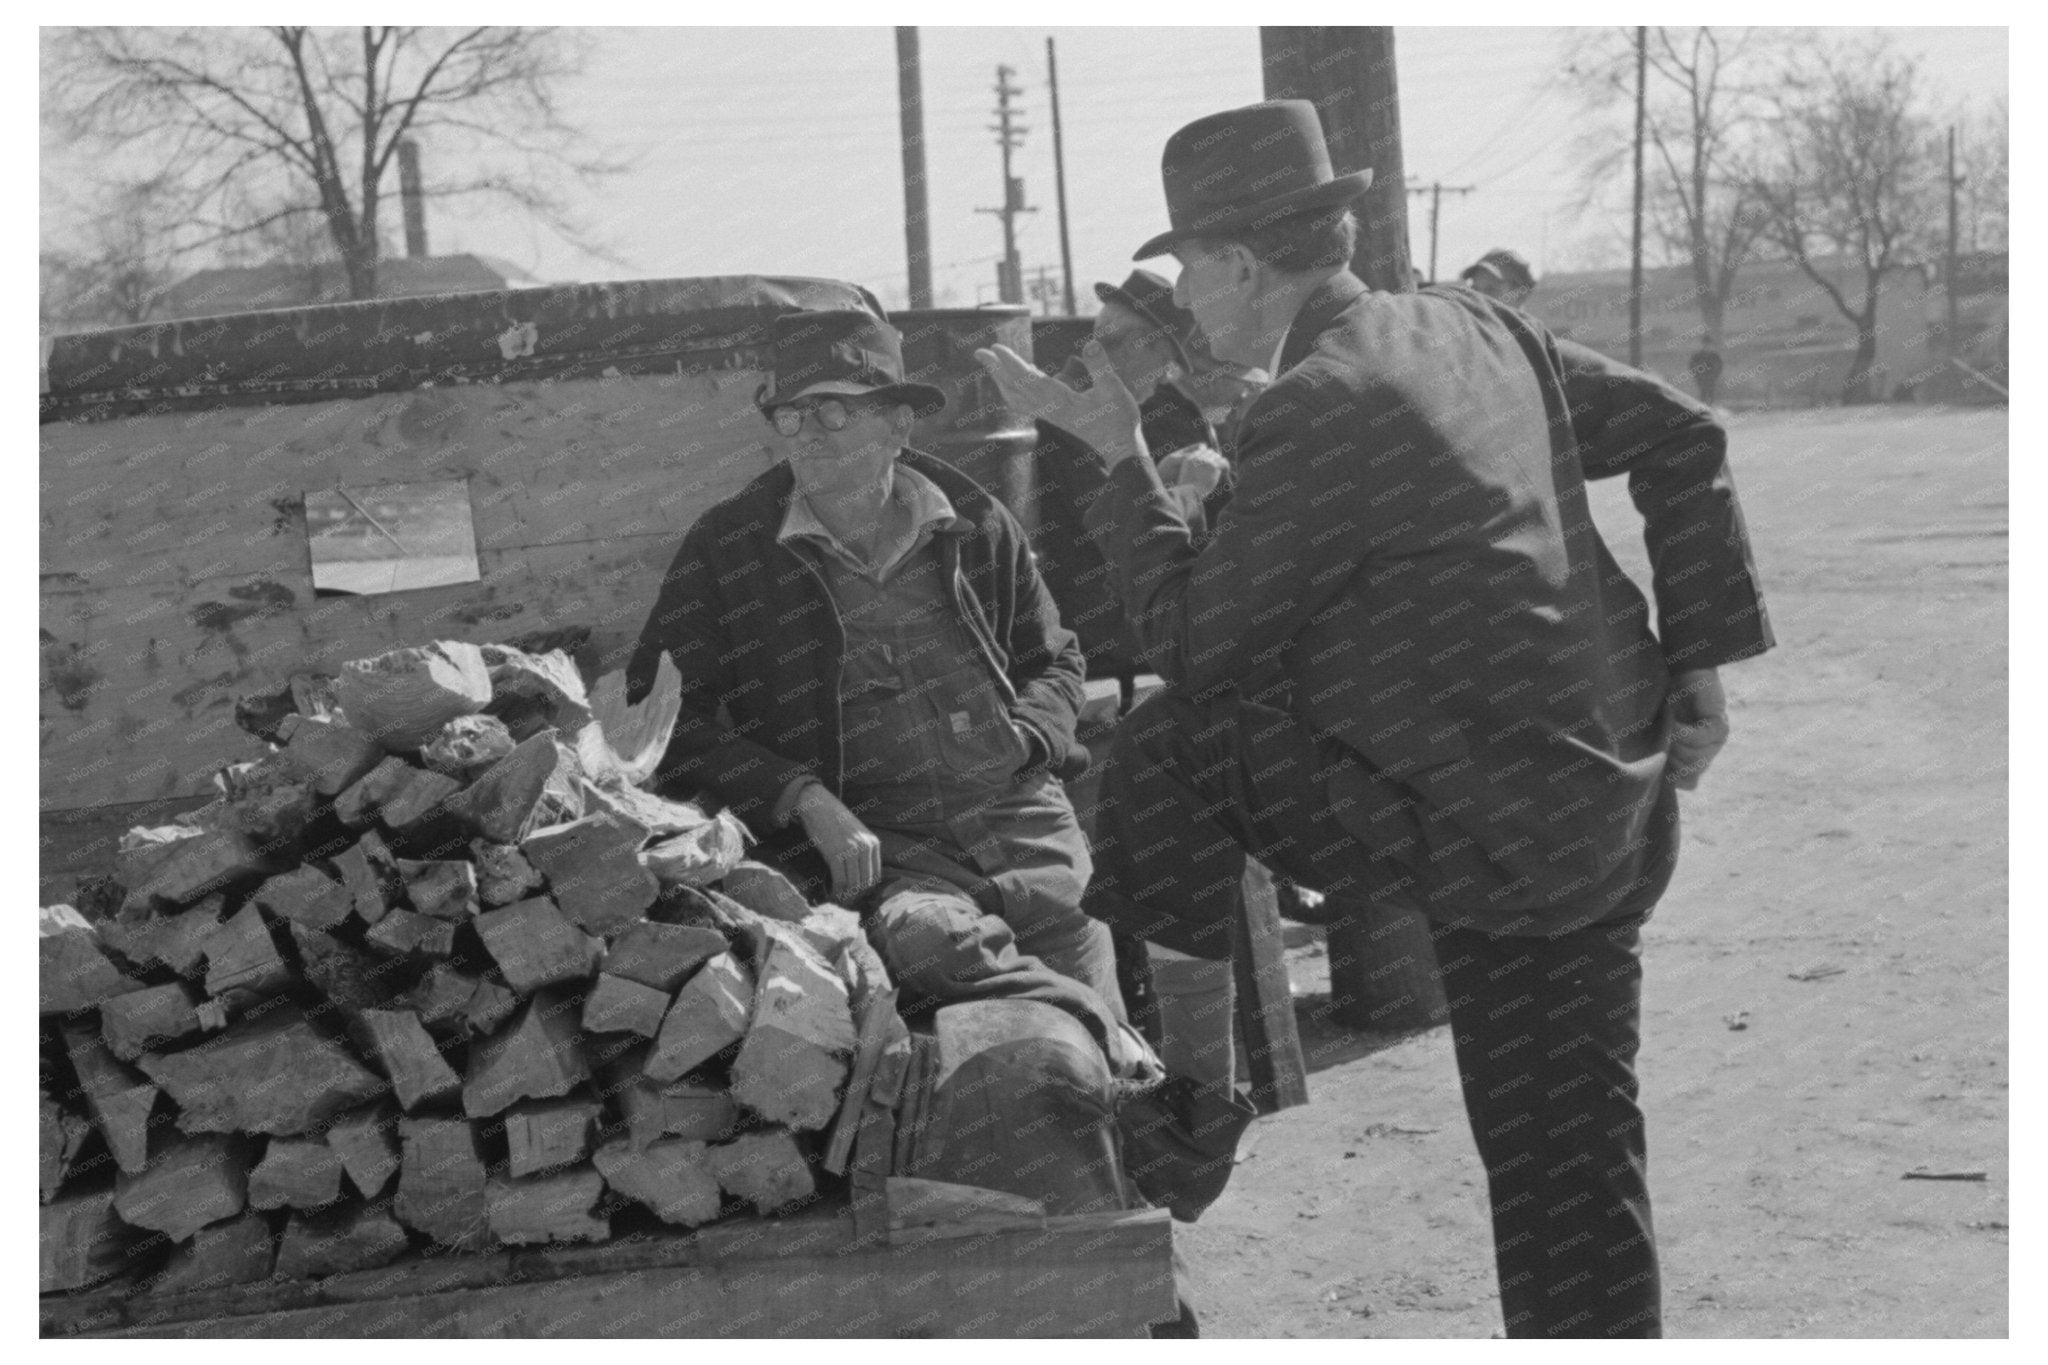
(932, 940)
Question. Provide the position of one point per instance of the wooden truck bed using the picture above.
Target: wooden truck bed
(1080, 1275)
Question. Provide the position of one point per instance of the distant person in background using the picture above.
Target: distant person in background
(1706, 370)
(1501, 274)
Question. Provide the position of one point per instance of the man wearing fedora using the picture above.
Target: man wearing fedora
(1406, 669)
(1501, 274)
(875, 679)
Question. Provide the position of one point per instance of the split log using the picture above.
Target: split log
(418, 800)
(307, 896)
(175, 941)
(271, 1073)
(132, 1024)
(418, 1073)
(334, 1243)
(118, 1098)
(710, 1014)
(594, 871)
(765, 891)
(794, 1059)
(401, 699)
(242, 960)
(443, 889)
(466, 746)
(498, 806)
(348, 978)
(679, 1109)
(768, 1170)
(190, 1182)
(83, 1241)
(441, 1183)
(661, 956)
(332, 757)
(238, 1251)
(75, 973)
(671, 1178)
(366, 1140)
(440, 999)
(533, 692)
(360, 801)
(544, 1136)
(616, 1005)
(364, 867)
(535, 946)
(178, 864)
(61, 1133)
(408, 933)
(297, 1173)
(502, 873)
(548, 1208)
(490, 1005)
(535, 1057)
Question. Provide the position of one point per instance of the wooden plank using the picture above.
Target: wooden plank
(1265, 999)
(879, 1027)
(1090, 1275)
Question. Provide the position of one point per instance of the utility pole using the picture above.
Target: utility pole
(1348, 74)
(917, 235)
(1955, 183)
(1059, 174)
(1009, 137)
(1635, 251)
(1436, 190)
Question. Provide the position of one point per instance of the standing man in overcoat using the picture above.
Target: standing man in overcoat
(1406, 669)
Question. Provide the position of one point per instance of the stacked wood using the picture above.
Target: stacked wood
(431, 976)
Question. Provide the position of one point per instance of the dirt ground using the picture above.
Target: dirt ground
(1825, 983)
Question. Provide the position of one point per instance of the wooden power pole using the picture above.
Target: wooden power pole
(1635, 250)
(1059, 173)
(1436, 190)
(917, 234)
(1951, 350)
(1348, 74)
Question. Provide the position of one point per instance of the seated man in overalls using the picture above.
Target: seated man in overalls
(876, 680)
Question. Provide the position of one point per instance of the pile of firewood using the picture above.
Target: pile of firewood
(437, 972)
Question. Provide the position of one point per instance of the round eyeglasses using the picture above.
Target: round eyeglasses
(831, 414)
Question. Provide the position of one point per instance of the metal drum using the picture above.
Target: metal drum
(976, 432)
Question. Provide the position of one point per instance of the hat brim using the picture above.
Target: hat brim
(924, 398)
(1341, 190)
(1124, 298)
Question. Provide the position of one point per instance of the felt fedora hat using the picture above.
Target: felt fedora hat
(1245, 168)
(846, 353)
(1150, 296)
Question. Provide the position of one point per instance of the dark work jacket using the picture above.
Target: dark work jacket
(1409, 551)
(758, 641)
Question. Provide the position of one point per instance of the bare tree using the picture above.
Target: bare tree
(1850, 171)
(116, 269)
(265, 126)
(1702, 102)
(1982, 150)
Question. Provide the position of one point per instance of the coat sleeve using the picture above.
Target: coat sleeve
(1046, 665)
(1710, 606)
(706, 753)
(1220, 613)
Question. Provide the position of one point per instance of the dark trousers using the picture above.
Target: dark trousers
(1545, 1028)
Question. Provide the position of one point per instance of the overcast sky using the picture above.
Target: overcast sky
(776, 151)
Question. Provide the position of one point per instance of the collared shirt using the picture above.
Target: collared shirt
(929, 508)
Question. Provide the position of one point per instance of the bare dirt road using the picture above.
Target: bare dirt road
(1825, 983)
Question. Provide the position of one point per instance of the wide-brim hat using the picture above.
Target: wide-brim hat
(1247, 168)
(1150, 296)
(842, 353)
